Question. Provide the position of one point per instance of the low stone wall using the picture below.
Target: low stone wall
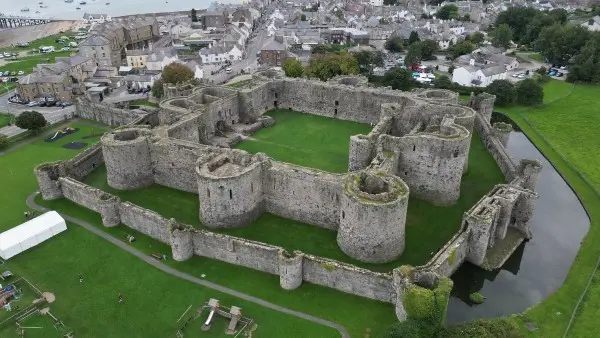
(303, 194)
(495, 147)
(105, 204)
(451, 256)
(105, 113)
(186, 129)
(84, 163)
(348, 278)
(145, 221)
(238, 251)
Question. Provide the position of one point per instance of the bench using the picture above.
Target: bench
(156, 255)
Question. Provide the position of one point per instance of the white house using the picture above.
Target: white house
(592, 24)
(160, 58)
(214, 54)
(198, 71)
(235, 53)
(376, 3)
(445, 40)
(508, 62)
(457, 30)
(96, 18)
(140, 81)
(478, 76)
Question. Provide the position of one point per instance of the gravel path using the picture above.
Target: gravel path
(165, 268)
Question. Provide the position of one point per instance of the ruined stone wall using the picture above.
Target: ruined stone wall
(338, 101)
(238, 251)
(187, 129)
(174, 161)
(84, 163)
(94, 199)
(451, 256)
(303, 194)
(145, 221)
(256, 101)
(348, 278)
(105, 113)
(495, 147)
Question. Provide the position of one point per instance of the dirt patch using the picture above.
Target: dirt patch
(75, 145)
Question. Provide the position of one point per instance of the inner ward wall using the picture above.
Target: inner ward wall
(302, 194)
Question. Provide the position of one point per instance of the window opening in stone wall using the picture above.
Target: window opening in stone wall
(275, 104)
(230, 194)
(251, 187)
(455, 153)
(335, 112)
(208, 193)
(276, 95)
(406, 173)
(337, 103)
(414, 147)
(93, 165)
(343, 215)
(232, 121)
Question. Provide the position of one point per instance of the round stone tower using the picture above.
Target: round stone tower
(230, 189)
(127, 158)
(372, 217)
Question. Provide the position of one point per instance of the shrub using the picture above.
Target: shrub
(3, 141)
(411, 328)
(504, 90)
(31, 120)
(484, 328)
(419, 302)
(529, 93)
(477, 298)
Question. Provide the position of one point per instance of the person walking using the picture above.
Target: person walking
(80, 278)
(120, 298)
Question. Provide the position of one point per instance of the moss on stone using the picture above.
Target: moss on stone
(329, 266)
(419, 302)
(451, 257)
(477, 298)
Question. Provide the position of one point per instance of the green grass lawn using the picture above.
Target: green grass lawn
(153, 299)
(307, 140)
(564, 129)
(5, 119)
(5, 87)
(143, 103)
(27, 64)
(428, 227)
(36, 44)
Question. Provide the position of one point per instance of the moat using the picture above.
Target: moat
(538, 267)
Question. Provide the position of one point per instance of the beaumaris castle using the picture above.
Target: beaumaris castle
(418, 147)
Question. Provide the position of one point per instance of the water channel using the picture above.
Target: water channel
(538, 267)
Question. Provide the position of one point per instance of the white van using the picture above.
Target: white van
(48, 49)
(228, 70)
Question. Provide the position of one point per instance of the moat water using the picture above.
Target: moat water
(538, 267)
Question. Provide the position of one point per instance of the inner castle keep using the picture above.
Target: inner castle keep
(418, 147)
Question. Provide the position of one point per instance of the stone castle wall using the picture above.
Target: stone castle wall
(303, 194)
(108, 115)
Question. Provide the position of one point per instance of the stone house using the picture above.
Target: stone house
(274, 52)
(213, 19)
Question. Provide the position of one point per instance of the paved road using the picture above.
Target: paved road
(165, 268)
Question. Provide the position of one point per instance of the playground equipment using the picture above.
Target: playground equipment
(6, 275)
(236, 315)
(214, 305)
(7, 294)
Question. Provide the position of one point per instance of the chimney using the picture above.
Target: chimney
(472, 62)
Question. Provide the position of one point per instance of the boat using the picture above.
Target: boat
(78, 8)
(108, 3)
(25, 9)
(69, 1)
(43, 6)
(82, 3)
(41, 3)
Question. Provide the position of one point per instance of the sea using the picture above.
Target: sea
(61, 10)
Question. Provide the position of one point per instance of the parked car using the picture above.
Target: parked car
(65, 48)
(228, 70)
(33, 104)
(13, 73)
(7, 73)
(6, 55)
(66, 104)
(559, 74)
(20, 72)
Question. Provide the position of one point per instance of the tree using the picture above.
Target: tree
(428, 49)
(414, 55)
(502, 36)
(367, 60)
(157, 89)
(303, 17)
(586, 66)
(176, 73)
(504, 90)
(462, 48)
(399, 78)
(194, 16)
(477, 38)
(394, 44)
(31, 120)
(559, 43)
(414, 37)
(517, 18)
(448, 12)
(529, 93)
(326, 66)
(442, 82)
(292, 68)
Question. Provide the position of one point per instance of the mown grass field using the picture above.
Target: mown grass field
(143, 103)
(153, 300)
(565, 131)
(27, 64)
(307, 140)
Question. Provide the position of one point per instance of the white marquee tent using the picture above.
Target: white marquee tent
(30, 234)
